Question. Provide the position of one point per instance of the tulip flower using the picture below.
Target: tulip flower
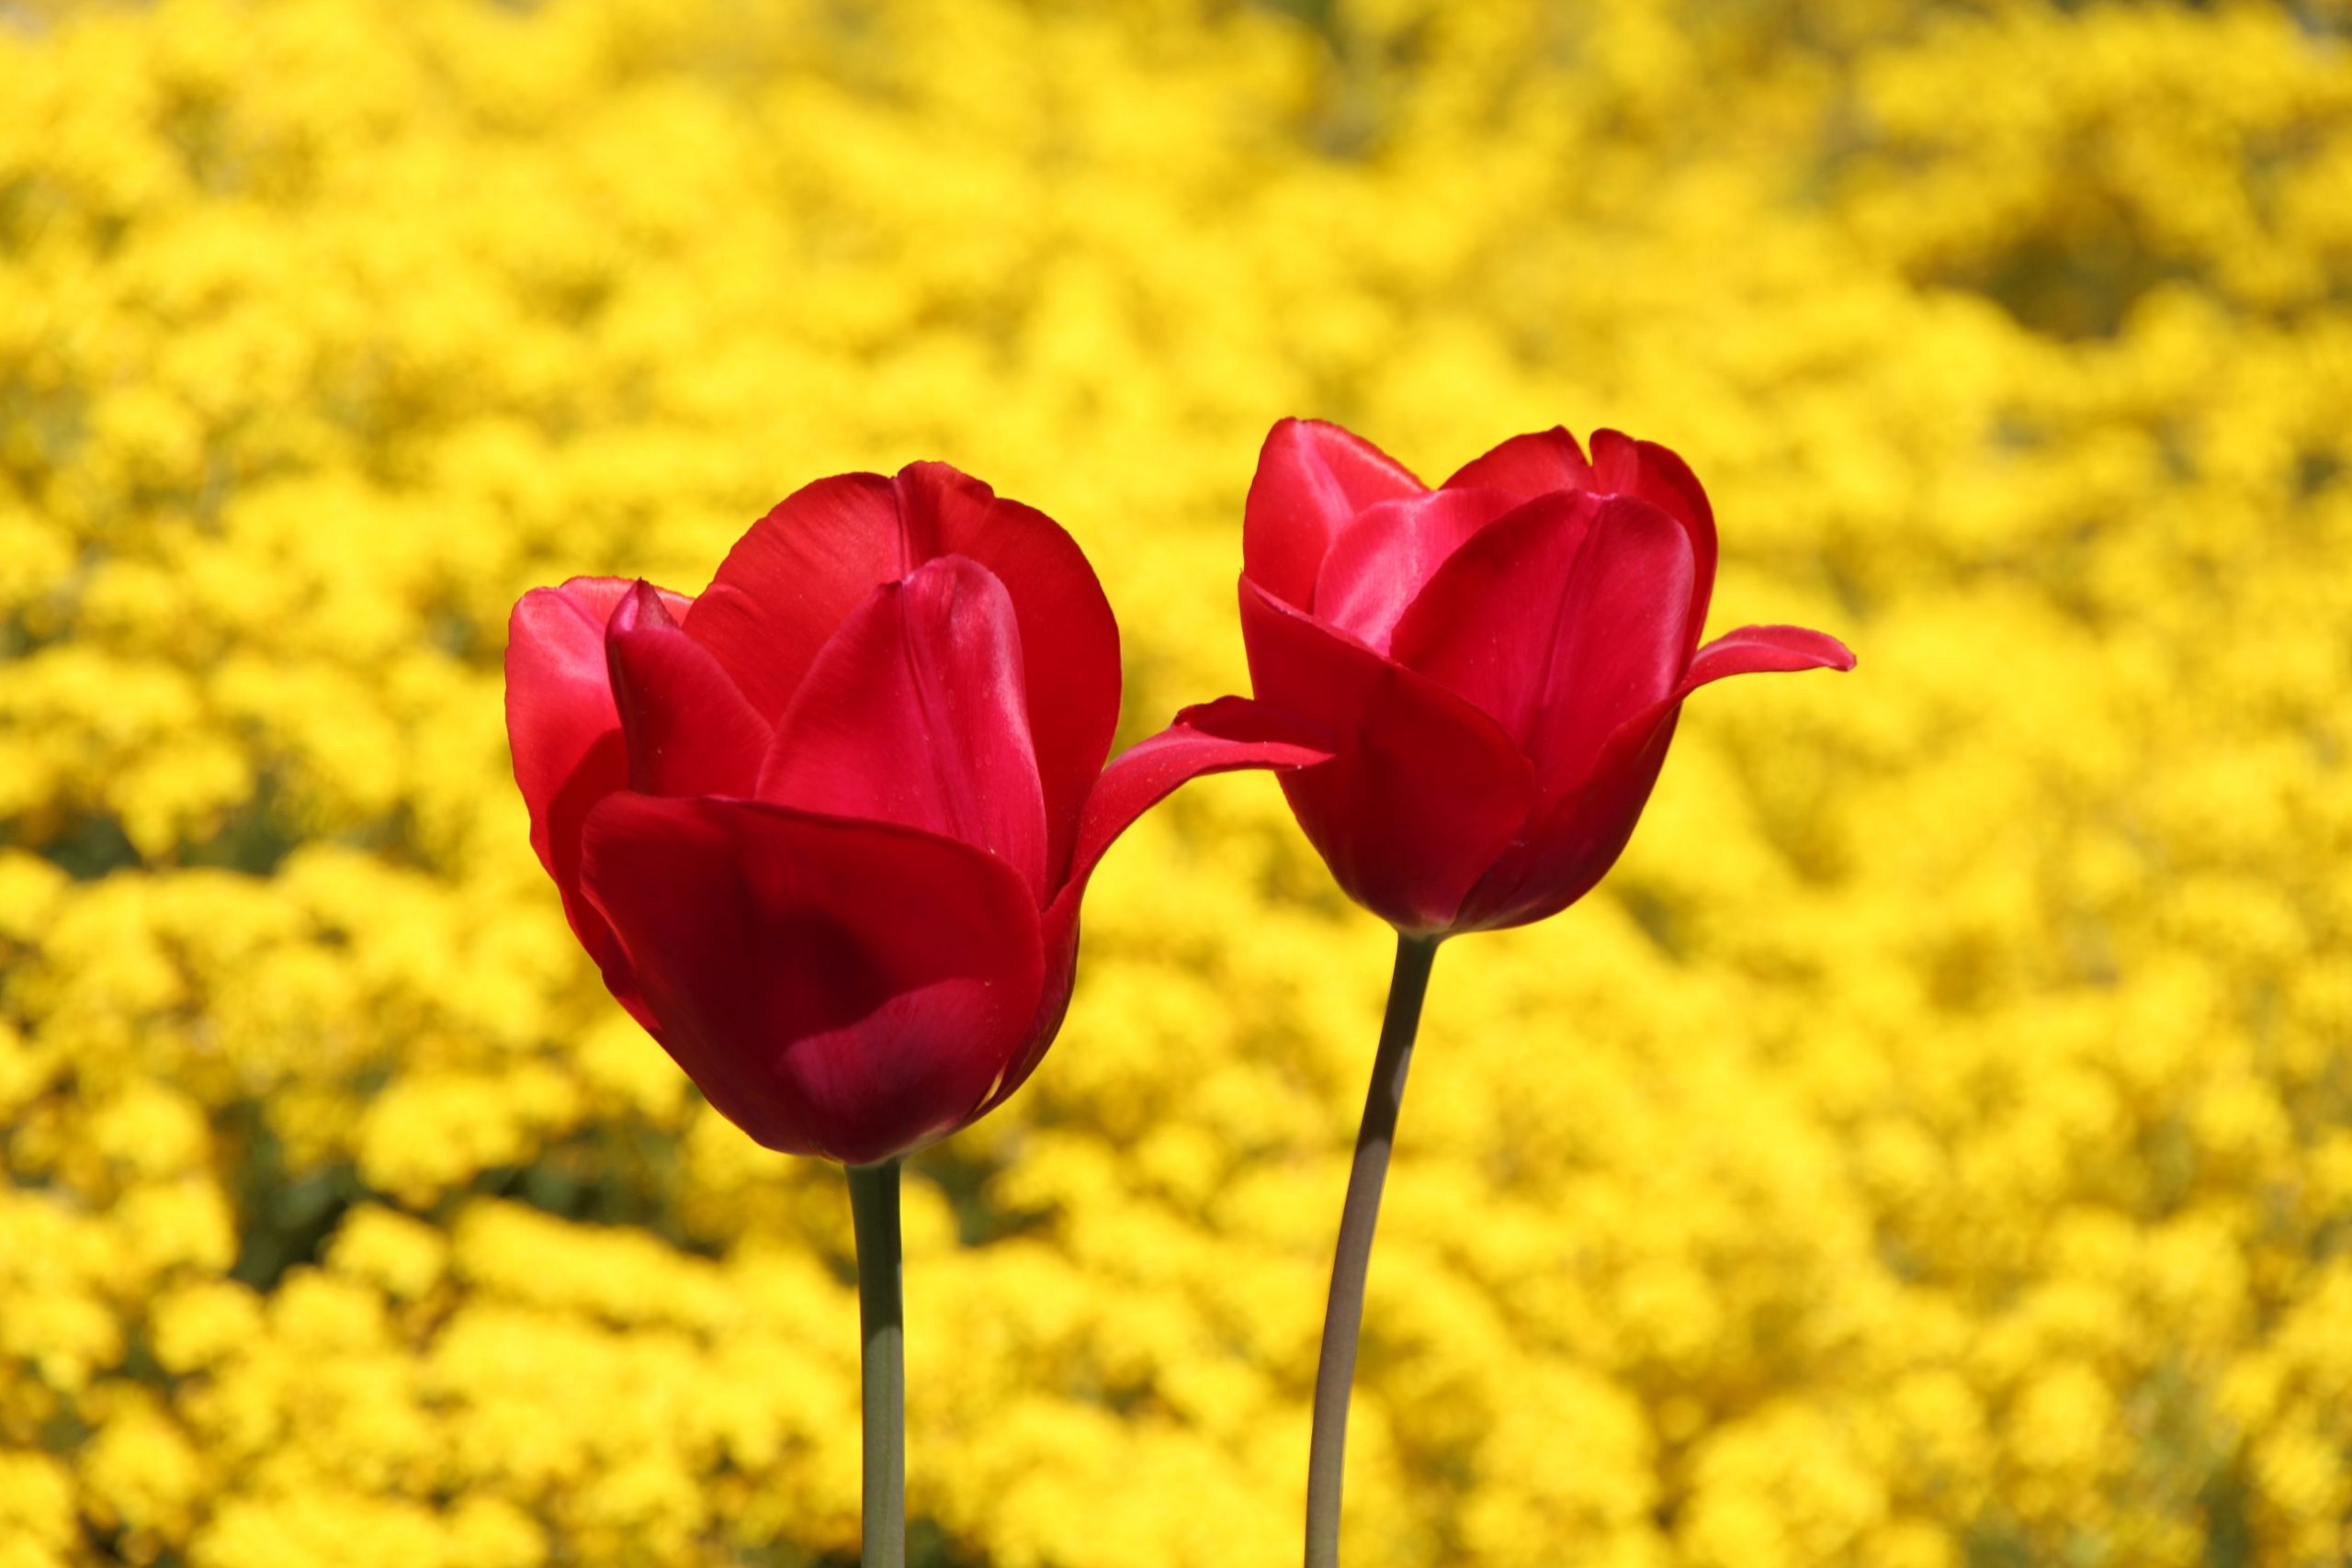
(1503, 658)
(825, 829)
(1500, 662)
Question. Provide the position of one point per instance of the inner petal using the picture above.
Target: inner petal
(1559, 621)
(917, 712)
(689, 730)
(1385, 555)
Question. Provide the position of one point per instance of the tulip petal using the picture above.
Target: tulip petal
(916, 713)
(1312, 477)
(1528, 466)
(1559, 621)
(1069, 642)
(1221, 736)
(791, 578)
(1423, 790)
(1644, 470)
(815, 557)
(849, 990)
(1583, 830)
(1752, 650)
(1382, 558)
(689, 730)
(1570, 847)
(1207, 737)
(565, 735)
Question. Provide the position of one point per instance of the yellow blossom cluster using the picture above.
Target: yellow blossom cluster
(1932, 1148)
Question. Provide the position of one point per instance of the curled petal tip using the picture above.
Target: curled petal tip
(640, 605)
(1294, 740)
(1752, 650)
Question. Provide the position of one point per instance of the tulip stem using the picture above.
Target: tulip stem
(1343, 1317)
(874, 1215)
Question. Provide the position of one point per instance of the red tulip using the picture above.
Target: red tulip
(825, 829)
(1501, 660)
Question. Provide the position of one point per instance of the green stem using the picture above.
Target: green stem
(873, 1213)
(1344, 1319)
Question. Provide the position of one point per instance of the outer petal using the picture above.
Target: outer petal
(813, 559)
(1383, 556)
(1211, 738)
(1579, 835)
(1623, 466)
(789, 580)
(566, 738)
(1207, 737)
(1528, 466)
(1582, 833)
(1312, 477)
(916, 713)
(1069, 641)
(839, 988)
(1758, 650)
(1423, 791)
(689, 730)
(1560, 621)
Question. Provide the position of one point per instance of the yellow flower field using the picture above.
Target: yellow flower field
(1932, 1148)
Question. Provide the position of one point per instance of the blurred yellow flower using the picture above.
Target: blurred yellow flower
(1933, 1147)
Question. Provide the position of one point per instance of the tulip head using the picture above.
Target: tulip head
(825, 828)
(1499, 661)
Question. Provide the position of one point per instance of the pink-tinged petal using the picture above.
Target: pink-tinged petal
(1528, 466)
(1312, 477)
(565, 735)
(847, 989)
(1559, 621)
(916, 713)
(1623, 466)
(1211, 738)
(1385, 555)
(1422, 792)
(689, 730)
(1753, 650)
(801, 571)
(559, 697)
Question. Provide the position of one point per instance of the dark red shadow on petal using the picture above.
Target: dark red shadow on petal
(1423, 790)
(1579, 836)
(841, 988)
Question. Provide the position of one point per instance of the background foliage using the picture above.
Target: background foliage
(1932, 1147)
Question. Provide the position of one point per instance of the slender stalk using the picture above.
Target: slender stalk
(1344, 1319)
(873, 1213)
